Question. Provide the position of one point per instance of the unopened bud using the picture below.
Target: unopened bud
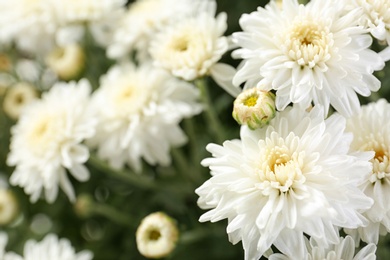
(254, 107)
(83, 205)
(157, 235)
(67, 62)
(17, 97)
(5, 63)
(9, 206)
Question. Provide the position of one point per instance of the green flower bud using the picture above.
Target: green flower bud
(254, 107)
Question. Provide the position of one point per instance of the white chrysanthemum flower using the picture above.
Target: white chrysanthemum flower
(73, 15)
(344, 250)
(157, 235)
(28, 23)
(376, 18)
(192, 48)
(81, 11)
(139, 111)
(293, 177)
(141, 22)
(51, 248)
(307, 54)
(47, 141)
(371, 130)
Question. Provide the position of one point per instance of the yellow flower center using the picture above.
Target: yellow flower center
(307, 42)
(45, 132)
(281, 166)
(380, 162)
(251, 101)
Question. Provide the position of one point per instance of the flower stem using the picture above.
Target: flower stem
(210, 113)
(113, 214)
(184, 167)
(192, 236)
(130, 177)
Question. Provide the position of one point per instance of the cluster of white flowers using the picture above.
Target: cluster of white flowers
(38, 26)
(311, 164)
(306, 174)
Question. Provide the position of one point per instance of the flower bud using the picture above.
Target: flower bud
(254, 107)
(83, 205)
(9, 207)
(157, 235)
(67, 62)
(17, 97)
(5, 63)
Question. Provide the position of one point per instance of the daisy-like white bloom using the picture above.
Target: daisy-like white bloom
(53, 248)
(81, 11)
(157, 235)
(73, 15)
(31, 24)
(143, 20)
(192, 48)
(376, 18)
(371, 130)
(47, 141)
(314, 53)
(344, 250)
(294, 177)
(139, 110)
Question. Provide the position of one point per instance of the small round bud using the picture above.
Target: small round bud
(67, 62)
(17, 97)
(83, 205)
(254, 107)
(9, 206)
(5, 63)
(157, 235)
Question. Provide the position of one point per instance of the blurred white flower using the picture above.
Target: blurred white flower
(191, 48)
(376, 17)
(73, 15)
(28, 23)
(82, 11)
(157, 235)
(28, 70)
(313, 53)
(51, 248)
(293, 178)
(17, 97)
(139, 111)
(344, 250)
(371, 132)
(47, 141)
(143, 20)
